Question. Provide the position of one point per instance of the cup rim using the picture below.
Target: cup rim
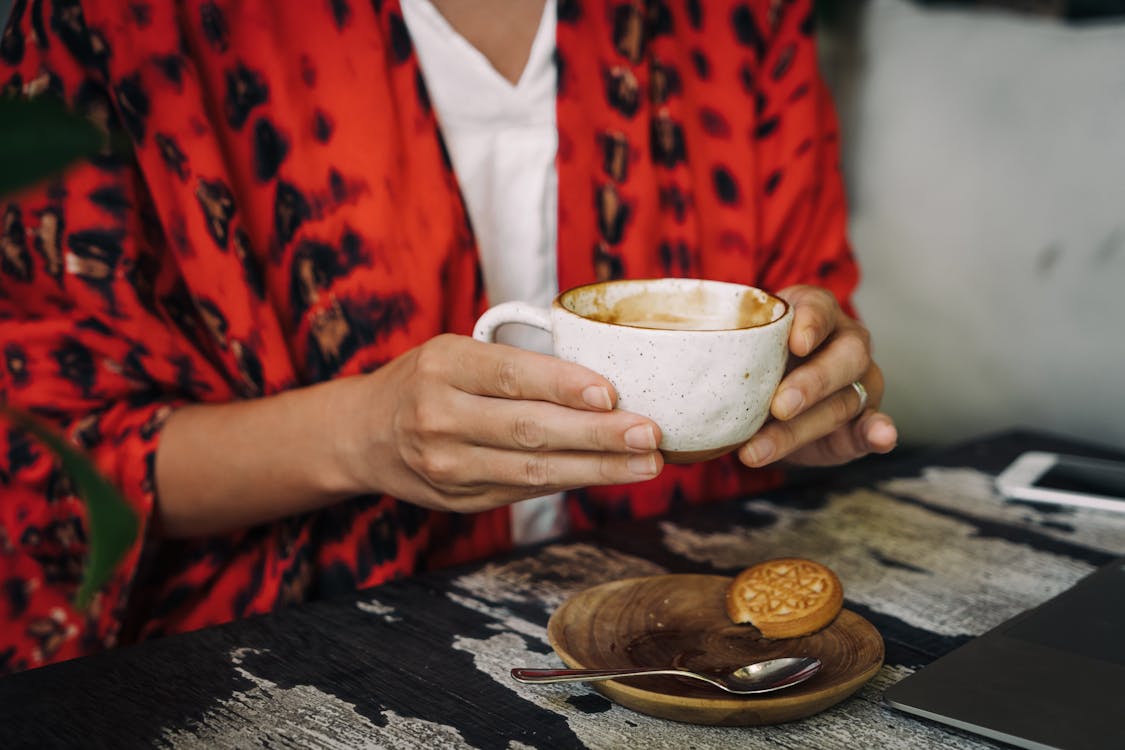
(557, 302)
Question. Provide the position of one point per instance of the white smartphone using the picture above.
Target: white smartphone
(1065, 480)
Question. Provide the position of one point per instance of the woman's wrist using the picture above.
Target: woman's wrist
(349, 422)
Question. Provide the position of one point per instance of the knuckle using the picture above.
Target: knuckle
(816, 301)
(822, 297)
(430, 421)
(537, 470)
(813, 379)
(595, 436)
(430, 360)
(528, 433)
(858, 348)
(841, 408)
(865, 336)
(796, 292)
(614, 470)
(562, 385)
(821, 378)
(608, 470)
(784, 437)
(507, 378)
(439, 469)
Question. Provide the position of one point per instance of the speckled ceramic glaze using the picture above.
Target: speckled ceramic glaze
(708, 386)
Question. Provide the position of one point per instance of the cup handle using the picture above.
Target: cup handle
(510, 312)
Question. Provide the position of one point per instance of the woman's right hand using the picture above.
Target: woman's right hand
(457, 424)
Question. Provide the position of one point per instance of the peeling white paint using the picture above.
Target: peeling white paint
(303, 716)
(383, 611)
(980, 581)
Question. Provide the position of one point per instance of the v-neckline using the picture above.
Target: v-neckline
(541, 45)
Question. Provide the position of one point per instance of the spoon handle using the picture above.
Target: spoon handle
(522, 674)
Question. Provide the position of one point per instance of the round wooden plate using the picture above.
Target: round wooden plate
(680, 620)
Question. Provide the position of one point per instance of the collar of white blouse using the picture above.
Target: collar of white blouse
(469, 88)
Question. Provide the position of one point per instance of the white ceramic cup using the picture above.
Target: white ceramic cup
(702, 359)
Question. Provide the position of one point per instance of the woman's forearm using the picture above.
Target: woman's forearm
(222, 467)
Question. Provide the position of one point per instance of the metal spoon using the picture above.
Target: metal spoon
(760, 677)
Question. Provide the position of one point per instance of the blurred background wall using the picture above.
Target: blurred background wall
(985, 156)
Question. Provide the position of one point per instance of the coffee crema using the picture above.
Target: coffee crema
(672, 322)
(682, 311)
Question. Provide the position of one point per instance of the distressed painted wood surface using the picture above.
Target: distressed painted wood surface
(924, 547)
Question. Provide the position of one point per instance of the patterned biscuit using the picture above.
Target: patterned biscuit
(785, 598)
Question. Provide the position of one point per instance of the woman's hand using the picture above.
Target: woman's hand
(820, 418)
(453, 424)
(461, 425)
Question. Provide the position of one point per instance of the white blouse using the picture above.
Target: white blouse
(502, 139)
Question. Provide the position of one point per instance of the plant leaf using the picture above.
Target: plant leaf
(39, 138)
(113, 524)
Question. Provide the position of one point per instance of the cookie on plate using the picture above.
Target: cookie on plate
(785, 598)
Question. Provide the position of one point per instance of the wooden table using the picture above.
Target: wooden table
(925, 548)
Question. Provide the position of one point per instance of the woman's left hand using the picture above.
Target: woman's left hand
(820, 417)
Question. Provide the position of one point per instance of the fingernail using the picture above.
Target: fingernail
(597, 396)
(788, 402)
(643, 465)
(760, 450)
(641, 437)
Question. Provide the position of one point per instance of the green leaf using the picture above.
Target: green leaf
(39, 138)
(113, 524)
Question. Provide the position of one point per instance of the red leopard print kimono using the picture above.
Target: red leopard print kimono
(288, 215)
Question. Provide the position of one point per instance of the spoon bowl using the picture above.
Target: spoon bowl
(752, 679)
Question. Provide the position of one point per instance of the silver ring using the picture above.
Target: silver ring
(862, 393)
